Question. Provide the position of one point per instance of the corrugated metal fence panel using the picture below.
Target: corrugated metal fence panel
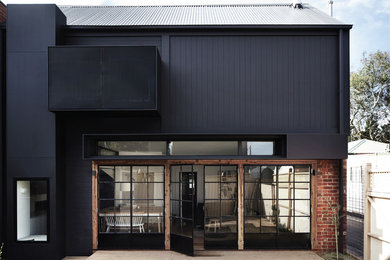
(261, 14)
(258, 84)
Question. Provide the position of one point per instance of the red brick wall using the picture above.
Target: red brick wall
(327, 182)
(3, 12)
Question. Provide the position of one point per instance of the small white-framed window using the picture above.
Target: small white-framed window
(32, 210)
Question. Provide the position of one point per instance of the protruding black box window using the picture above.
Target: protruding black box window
(103, 78)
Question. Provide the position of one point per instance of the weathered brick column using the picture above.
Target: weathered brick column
(328, 187)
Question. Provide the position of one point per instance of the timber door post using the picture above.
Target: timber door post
(167, 207)
(94, 206)
(240, 207)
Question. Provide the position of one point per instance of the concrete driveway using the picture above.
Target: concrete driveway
(209, 255)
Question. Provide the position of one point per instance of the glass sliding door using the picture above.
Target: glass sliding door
(220, 207)
(277, 206)
(183, 201)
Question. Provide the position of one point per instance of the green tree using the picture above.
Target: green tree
(370, 98)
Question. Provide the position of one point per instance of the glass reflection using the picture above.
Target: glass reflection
(139, 173)
(212, 208)
(135, 202)
(252, 173)
(302, 225)
(252, 224)
(156, 174)
(106, 190)
(155, 191)
(106, 173)
(302, 173)
(268, 174)
(122, 174)
(285, 224)
(228, 173)
(302, 208)
(221, 199)
(286, 207)
(131, 148)
(122, 190)
(212, 190)
(212, 174)
(286, 174)
(277, 199)
(203, 148)
(302, 190)
(268, 225)
(140, 190)
(258, 148)
(32, 210)
(181, 227)
(228, 190)
(228, 208)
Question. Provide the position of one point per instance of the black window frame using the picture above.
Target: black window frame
(277, 232)
(131, 199)
(47, 179)
(206, 234)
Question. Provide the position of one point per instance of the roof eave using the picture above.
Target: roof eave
(234, 26)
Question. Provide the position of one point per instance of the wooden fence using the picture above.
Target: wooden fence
(377, 215)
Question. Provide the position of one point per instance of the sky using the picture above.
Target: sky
(370, 18)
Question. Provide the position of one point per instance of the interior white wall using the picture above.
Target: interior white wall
(158, 187)
(23, 209)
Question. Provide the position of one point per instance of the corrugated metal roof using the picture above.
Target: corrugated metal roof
(197, 15)
(365, 146)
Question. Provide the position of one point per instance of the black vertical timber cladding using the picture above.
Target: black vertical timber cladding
(253, 84)
(31, 131)
(2, 136)
(346, 86)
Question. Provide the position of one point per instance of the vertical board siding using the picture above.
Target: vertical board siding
(252, 84)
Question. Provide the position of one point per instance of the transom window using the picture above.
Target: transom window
(184, 148)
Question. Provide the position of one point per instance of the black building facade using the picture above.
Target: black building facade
(123, 132)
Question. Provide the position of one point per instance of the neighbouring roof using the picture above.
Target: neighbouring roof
(196, 15)
(365, 146)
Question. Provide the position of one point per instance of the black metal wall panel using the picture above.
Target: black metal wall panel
(258, 84)
(317, 146)
(130, 77)
(31, 132)
(103, 78)
(78, 178)
(38, 30)
(74, 78)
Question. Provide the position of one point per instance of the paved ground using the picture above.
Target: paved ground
(209, 255)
